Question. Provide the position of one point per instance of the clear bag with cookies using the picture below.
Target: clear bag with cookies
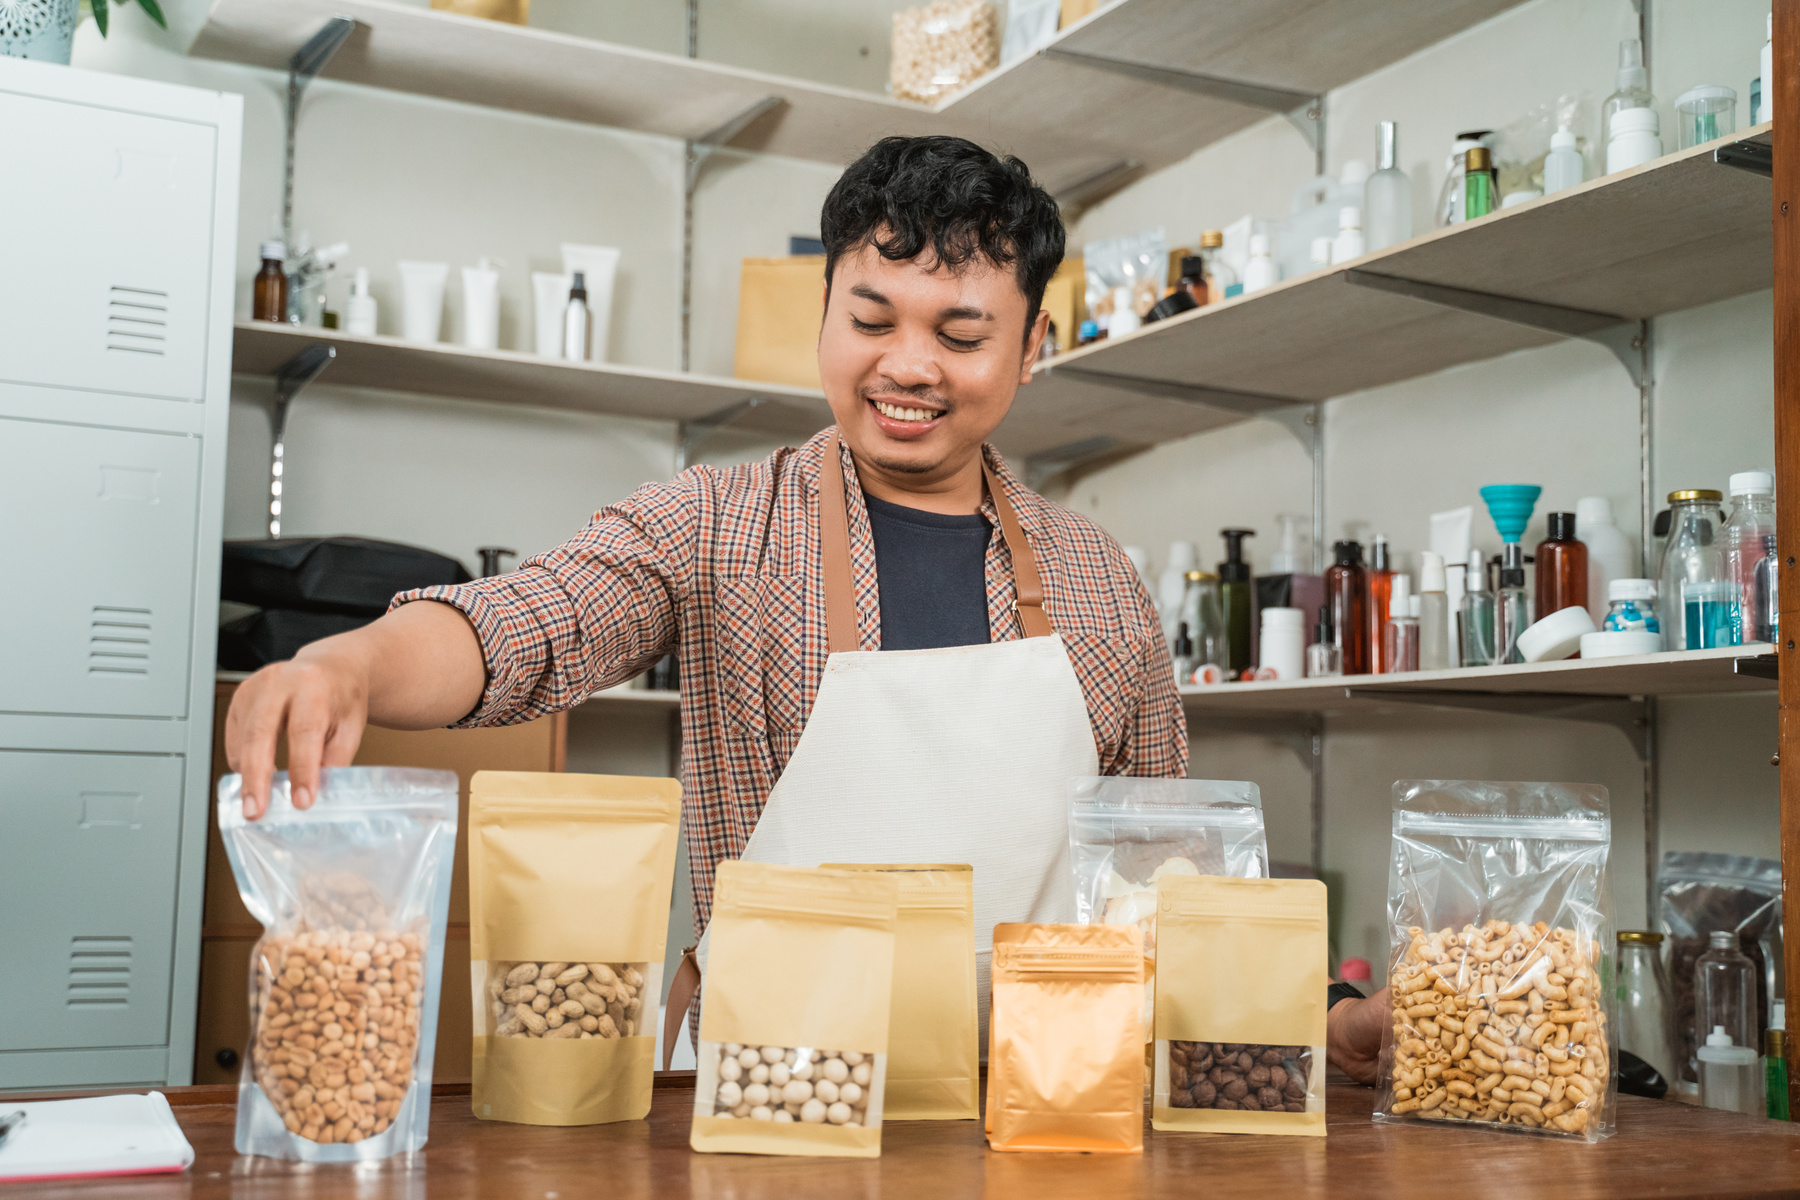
(1127, 834)
(353, 894)
(1498, 903)
(569, 882)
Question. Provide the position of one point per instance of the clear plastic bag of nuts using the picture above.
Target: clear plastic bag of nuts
(353, 894)
(941, 47)
(1498, 904)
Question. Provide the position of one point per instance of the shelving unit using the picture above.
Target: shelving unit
(630, 699)
(1130, 89)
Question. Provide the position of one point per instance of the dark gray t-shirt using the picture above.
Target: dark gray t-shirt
(932, 573)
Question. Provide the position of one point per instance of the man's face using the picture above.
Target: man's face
(920, 365)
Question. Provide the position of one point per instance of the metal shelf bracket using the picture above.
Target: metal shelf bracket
(1754, 157)
(306, 63)
(691, 435)
(695, 153)
(1629, 715)
(291, 377)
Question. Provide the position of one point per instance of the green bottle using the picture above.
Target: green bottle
(1236, 590)
(1775, 1065)
(1478, 183)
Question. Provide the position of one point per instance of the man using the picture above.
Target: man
(896, 530)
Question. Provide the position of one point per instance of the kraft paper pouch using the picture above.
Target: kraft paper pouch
(794, 1025)
(934, 1052)
(1240, 1006)
(1066, 1063)
(569, 881)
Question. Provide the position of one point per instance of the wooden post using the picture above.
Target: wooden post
(1784, 90)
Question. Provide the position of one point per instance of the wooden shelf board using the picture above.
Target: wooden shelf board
(1067, 120)
(1672, 234)
(1667, 674)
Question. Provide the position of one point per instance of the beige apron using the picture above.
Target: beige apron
(961, 754)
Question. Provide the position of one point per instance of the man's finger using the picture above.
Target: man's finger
(308, 726)
(251, 728)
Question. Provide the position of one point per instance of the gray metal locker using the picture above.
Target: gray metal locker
(115, 375)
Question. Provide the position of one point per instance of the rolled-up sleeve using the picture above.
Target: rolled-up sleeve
(1155, 743)
(595, 611)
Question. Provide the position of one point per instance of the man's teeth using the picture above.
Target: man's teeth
(894, 412)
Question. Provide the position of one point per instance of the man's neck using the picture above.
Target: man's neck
(956, 492)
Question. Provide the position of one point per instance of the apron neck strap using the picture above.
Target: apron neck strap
(840, 586)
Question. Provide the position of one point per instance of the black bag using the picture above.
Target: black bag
(276, 634)
(351, 575)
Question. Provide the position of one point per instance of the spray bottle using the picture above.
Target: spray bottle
(1286, 561)
(1400, 640)
(1236, 592)
(1380, 575)
(1477, 616)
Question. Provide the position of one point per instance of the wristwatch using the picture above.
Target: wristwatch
(1340, 991)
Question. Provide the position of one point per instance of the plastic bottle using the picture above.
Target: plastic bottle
(1765, 109)
(1562, 567)
(481, 305)
(1321, 252)
(1476, 620)
(1563, 167)
(1762, 621)
(1125, 318)
(1387, 194)
(1283, 642)
(1691, 555)
(1775, 1073)
(1609, 553)
(1400, 640)
(575, 321)
(1347, 592)
(1349, 242)
(1725, 1004)
(1752, 519)
(1324, 658)
(1478, 183)
(268, 296)
(1286, 561)
(1260, 271)
(1237, 592)
(1630, 90)
(359, 312)
(1434, 613)
(1635, 139)
(1171, 586)
(1644, 1000)
(1512, 610)
(1631, 607)
(1380, 577)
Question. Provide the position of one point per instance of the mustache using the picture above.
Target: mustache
(924, 394)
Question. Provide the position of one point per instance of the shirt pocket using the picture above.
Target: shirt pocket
(1112, 683)
(759, 623)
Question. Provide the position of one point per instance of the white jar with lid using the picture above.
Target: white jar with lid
(1284, 642)
(1634, 139)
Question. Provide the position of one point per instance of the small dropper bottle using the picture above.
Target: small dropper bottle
(1184, 655)
(1477, 615)
(1324, 659)
(1512, 608)
(1400, 640)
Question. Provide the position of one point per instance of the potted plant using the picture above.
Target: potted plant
(45, 29)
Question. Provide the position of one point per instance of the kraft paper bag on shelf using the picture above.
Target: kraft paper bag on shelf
(1240, 1005)
(934, 1053)
(794, 1021)
(513, 12)
(1066, 1060)
(780, 301)
(569, 881)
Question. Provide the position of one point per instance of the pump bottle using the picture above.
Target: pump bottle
(1236, 593)
(1400, 640)
(1434, 613)
(1380, 576)
(359, 312)
(1347, 594)
(575, 322)
(1512, 609)
(1477, 616)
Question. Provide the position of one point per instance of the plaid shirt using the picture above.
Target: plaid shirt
(723, 567)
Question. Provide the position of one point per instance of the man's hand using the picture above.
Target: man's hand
(418, 667)
(1353, 1035)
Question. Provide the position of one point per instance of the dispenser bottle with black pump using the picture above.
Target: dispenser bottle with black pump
(1236, 592)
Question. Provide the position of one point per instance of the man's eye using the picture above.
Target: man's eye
(957, 343)
(862, 326)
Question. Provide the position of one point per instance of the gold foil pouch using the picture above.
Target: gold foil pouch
(1066, 1056)
(1240, 1005)
(794, 1018)
(934, 1052)
(569, 881)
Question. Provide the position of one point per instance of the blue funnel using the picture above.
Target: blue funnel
(1510, 505)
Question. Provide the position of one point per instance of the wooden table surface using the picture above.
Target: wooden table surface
(1661, 1149)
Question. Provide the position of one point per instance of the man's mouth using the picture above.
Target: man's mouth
(905, 412)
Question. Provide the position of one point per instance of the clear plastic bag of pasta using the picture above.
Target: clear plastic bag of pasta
(1498, 913)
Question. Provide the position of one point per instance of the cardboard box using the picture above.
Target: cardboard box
(1074, 10)
(778, 320)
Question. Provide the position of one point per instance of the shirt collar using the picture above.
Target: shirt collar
(1025, 502)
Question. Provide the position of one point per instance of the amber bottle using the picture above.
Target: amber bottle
(268, 298)
(1562, 568)
(1347, 595)
(1381, 585)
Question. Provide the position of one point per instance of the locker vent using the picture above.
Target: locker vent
(137, 320)
(119, 641)
(99, 972)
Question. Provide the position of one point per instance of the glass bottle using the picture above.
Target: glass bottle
(1752, 519)
(1775, 1073)
(1347, 592)
(1219, 275)
(1562, 567)
(1193, 278)
(1387, 196)
(1324, 658)
(1206, 618)
(1450, 198)
(1400, 640)
(1690, 555)
(1476, 619)
(1183, 656)
(1434, 613)
(1644, 1000)
(268, 296)
(1724, 1011)
(1512, 613)
(1632, 89)
(1381, 582)
(1763, 620)
(1478, 183)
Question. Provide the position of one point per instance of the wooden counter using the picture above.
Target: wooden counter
(1661, 1149)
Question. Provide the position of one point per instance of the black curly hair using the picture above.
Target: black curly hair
(907, 195)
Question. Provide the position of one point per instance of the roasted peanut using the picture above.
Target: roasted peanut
(566, 1000)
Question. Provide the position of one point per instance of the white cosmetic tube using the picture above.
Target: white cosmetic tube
(481, 306)
(422, 300)
(549, 297)
(598, 265)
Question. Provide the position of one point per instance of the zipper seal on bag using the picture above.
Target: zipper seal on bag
(1567, 829)
(1222, 817)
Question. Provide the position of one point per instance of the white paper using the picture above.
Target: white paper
(99, 1135)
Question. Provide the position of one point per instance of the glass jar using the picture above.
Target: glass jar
(1725, 1027)
(1692, 554)
(1644, 1000)
(1631, 606)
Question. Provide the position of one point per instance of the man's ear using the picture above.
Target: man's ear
(1034, 341)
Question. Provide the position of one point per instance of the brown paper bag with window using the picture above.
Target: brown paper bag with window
(794, 1023)
(1066, 1057)
(1240, 1005)
(934, 1052)
(569, 881)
